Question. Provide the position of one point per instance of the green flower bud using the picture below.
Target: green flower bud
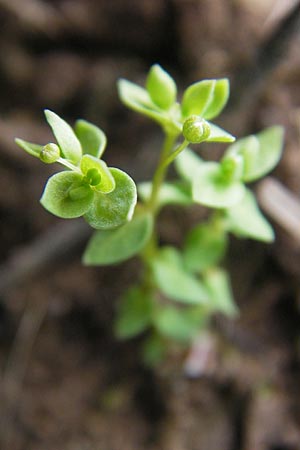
(195, 129)
(50, 153)
(232, 167)
(93, 177)
(161, 87)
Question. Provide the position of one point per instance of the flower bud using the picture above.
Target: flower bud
(93, 177)
(50, 153)
(232, 167)
(195, 129)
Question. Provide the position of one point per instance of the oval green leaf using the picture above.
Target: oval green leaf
(197, 97)
(65, 136)
(217, 134)
(114, 246)
(66, 195)
(138, 99)
(114, 209)
(210, 189)
(218, 283)
(176, 193)
(154, 350)
(219, 99)
(92, 139)
(29, 147)
(205, 246)
(261, 152)
(134, 313)
(187, 164)
(174, 282)
(179, 324)
(161, 87)
(246, 220)
(205, 98)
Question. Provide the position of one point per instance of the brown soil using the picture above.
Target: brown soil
(66, 382)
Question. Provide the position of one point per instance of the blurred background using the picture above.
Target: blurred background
(66, 383)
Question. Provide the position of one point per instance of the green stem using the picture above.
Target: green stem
(158, 178)
(161, 171)
(69, 165)
(176, 152)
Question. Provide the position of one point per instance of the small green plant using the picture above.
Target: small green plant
(180, 289)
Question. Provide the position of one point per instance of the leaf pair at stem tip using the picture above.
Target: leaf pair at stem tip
(104, 196)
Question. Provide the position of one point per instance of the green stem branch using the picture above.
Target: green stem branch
(176, 152)
(161, 171)
(69, 165)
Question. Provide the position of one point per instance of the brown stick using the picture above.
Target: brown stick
(281, 205)
(57, 242)
(16, 367)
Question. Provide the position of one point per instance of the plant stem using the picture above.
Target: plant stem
(161, 170)
(176, 152)
(69, 165)
(151, 205)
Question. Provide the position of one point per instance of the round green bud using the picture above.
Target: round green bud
(50, 153)
(195, 129)
(232, 167)
(93, 177)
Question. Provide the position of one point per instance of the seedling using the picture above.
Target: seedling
(180, 288)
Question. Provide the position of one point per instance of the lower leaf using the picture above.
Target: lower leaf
(218, 284)
(176, 193)
(245, 219)
(112, 210)
(114, 246)
(174, 282)
(135, 313)
(179, 324)
(210, 189)
(205, 246)
(66, 195)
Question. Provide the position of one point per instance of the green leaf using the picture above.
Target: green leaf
(66, 195)
(161, 87)
(138, 99)
(29, 147)
(197, 97)
(210, 189)
(205, 98)
(204, 247)
(114, 209)
(114, 246)
(176, 193)
(179, 324)
(92, 139)
(135, 313)
(154, 350)
(187, 164)
(65, 136)
(219, 99)
(261, 152)
(174, 282)
(246, 220)
(88, 163)
(218, 284)
(217, 134)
